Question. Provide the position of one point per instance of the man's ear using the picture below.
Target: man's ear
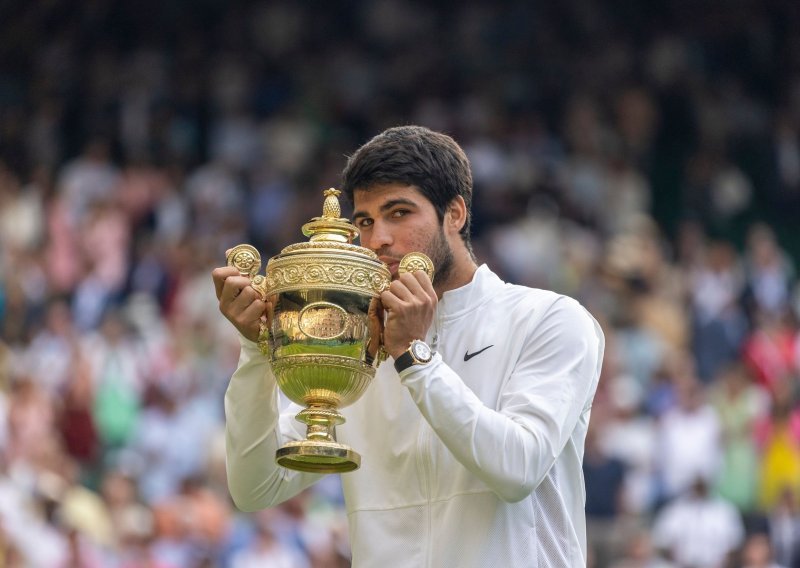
(456, 215)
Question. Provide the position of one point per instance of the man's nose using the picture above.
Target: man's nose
(378, 237)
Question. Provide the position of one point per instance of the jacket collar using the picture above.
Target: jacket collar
(484, 285)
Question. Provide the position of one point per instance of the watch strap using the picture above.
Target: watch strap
(403, 362)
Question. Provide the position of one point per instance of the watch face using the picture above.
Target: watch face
(421, 351)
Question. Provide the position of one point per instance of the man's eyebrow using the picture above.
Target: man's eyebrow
(386, 206)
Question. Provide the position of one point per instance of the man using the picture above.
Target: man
(470, 458)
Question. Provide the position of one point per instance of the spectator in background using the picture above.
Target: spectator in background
(89, 178)
(740, 404)
(769, 350)
(104, 240)
(115, 369)
(604, 478)
(21, 214)
(75, 421)
(131, 522)
(52, 357)
(756, 553)
(267, 552)
(778, 438)
(698, 529)
(718, 324)
(639, 350)
(783, 524)
(769, 275)
(30, 420)
(629, 435)
(688, 439)
(640, 553)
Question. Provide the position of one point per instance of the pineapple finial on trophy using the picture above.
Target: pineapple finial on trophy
(331, 208)
(331, 226)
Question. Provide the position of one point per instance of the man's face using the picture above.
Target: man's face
(395, 219)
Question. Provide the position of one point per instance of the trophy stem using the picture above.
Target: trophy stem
(319, 452)
(321, 419)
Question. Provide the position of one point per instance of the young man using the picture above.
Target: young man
(471, 458)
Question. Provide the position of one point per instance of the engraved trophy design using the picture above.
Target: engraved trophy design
(318, 337)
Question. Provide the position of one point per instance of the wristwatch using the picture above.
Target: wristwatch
(418, 353)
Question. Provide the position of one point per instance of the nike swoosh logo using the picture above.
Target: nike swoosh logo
(468, 355)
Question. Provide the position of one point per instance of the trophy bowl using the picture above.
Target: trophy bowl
(321, 341)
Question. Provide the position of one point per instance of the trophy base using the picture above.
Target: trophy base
(318, 457)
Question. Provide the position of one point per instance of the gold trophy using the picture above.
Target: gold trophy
(318, 336)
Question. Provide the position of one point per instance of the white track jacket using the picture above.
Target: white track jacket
(473, 460)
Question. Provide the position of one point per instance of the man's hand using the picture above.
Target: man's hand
(239, 302)
(409, 304)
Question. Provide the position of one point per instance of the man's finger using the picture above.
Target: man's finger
(426, 284)
(253, 312)
(390, 301)
(244, 299)
(219, 275)
(401, 291)
(233, 287)
(412, 283)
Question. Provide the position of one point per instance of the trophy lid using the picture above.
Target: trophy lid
(330, 231)
(328, 260)
(331, 226)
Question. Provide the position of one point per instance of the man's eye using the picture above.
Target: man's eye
(364, 222)
(399, 212)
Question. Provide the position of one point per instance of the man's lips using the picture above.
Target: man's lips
(392, 263)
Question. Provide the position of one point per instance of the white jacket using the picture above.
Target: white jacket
(472, 460)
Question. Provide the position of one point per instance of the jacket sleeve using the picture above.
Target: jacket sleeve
(254, 430)
(511, 448)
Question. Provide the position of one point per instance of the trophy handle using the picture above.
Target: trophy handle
(414, 261)
(247, 260)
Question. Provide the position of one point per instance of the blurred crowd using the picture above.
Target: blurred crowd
(641, 157)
